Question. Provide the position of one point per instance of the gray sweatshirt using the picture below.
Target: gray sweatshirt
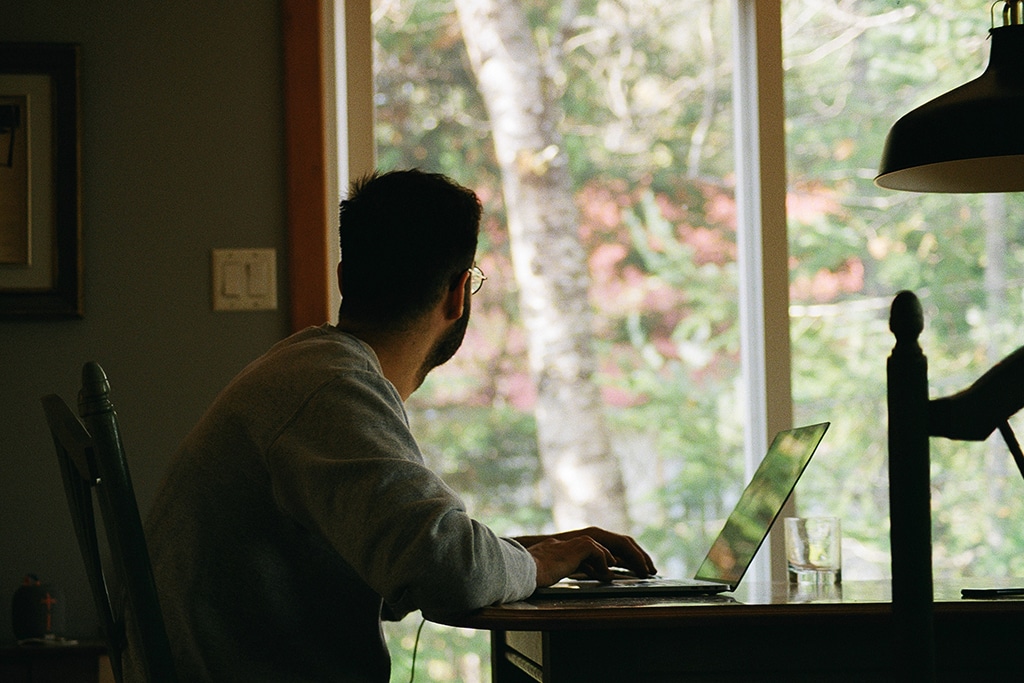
(295, 507)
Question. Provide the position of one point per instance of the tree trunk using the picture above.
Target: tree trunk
(550, 264)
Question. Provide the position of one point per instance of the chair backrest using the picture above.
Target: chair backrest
(92, 460)
(910, 494)
(970, 415)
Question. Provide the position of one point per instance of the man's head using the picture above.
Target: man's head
(407, 238)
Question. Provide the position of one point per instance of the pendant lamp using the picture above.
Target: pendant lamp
(970, 139)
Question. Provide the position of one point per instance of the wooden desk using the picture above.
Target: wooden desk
(760, 633)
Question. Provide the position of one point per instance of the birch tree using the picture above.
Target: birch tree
(549, 262)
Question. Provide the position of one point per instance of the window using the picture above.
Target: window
(643, 216)
(852, 68)
(644, 91)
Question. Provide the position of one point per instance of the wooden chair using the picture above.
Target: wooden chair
(970, 415)
(92, 460)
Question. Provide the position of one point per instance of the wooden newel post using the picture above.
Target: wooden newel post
(910, 531)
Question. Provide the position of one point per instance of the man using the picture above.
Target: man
(299, 508)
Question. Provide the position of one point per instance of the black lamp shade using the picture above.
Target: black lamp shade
(970, 139)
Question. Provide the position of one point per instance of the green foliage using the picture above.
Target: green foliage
(842, 95)
(442, 653)
(489, 455)
(428, 111)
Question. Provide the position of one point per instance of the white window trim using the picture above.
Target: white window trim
(348, 40)
(759, 119)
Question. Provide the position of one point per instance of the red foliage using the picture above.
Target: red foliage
(827, 285)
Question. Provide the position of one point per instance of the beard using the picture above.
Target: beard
(447, 345)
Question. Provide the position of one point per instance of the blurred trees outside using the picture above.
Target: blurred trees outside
(638, 97)
(852, 68)
(549, 263)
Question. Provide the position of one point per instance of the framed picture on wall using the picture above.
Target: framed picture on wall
(40, 216)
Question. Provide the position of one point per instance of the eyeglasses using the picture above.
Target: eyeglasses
(476, 279)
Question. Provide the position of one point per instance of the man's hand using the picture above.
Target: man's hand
(591, 551)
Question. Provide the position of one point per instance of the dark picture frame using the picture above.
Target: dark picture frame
(40, 195)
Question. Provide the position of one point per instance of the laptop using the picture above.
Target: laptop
(745, 529)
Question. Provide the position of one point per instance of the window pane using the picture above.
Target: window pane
(638, 97)
(852, 68)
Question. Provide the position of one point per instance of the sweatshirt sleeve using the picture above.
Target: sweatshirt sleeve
(347, 467)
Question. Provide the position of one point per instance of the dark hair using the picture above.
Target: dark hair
(406, 238)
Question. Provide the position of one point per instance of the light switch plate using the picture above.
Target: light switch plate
(244, 279)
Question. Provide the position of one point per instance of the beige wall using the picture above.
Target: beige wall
(181, 153)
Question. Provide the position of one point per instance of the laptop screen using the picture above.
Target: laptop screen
(761, 502)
